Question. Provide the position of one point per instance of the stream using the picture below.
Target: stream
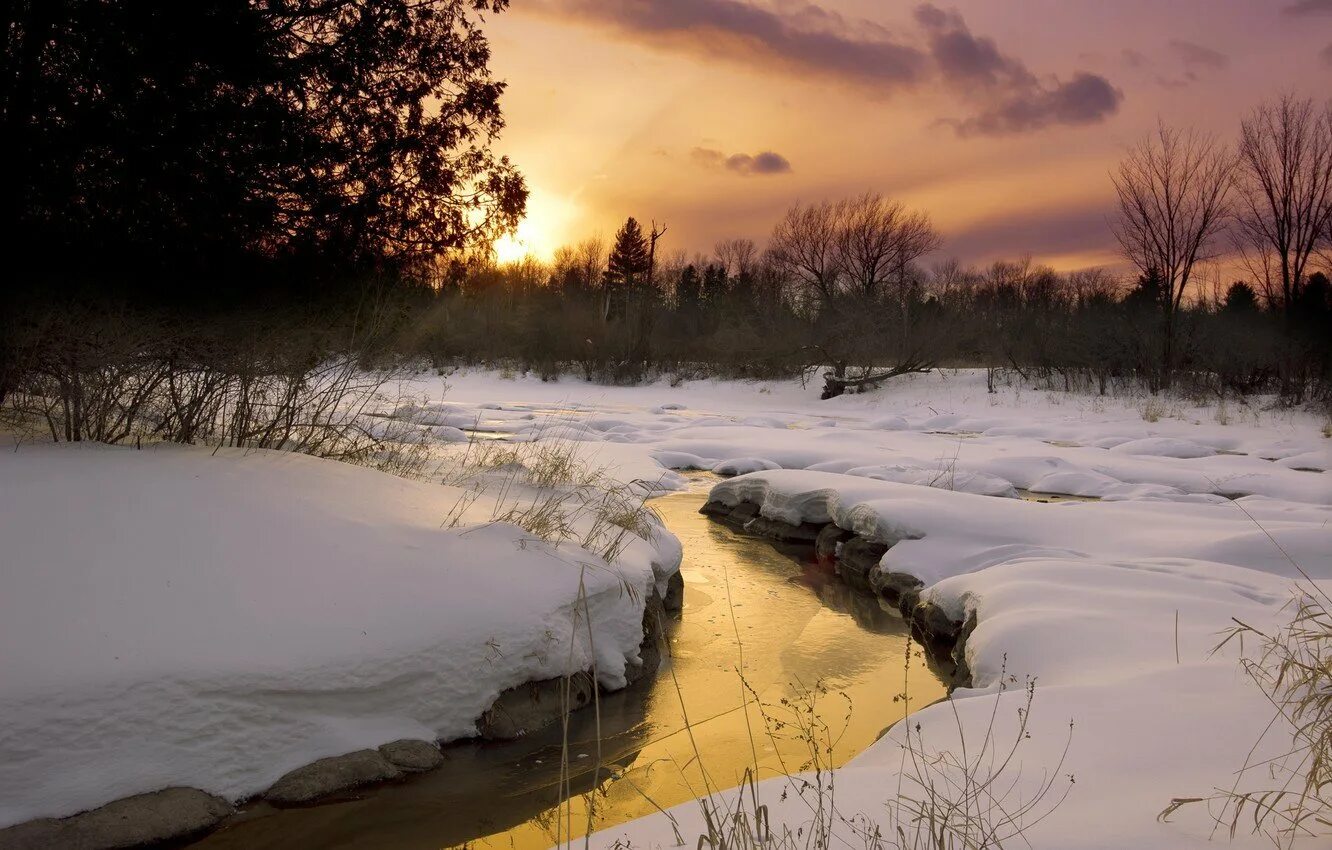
(758, 620)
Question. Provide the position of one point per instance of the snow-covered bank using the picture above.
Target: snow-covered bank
(1113, 606)
(173, 616)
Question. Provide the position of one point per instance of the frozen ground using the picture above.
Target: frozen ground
(1114, 605)
(310, 604)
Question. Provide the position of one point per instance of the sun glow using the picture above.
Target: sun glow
(540, 232)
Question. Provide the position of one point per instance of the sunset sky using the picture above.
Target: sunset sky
(1002, 119)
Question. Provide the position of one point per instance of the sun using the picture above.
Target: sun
(548, 220)
(524, 242)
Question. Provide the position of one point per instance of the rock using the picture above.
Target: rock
(715, 509)
(961, 669)
(804, 534)
(412, 754)
(899, 589)
(674, 601)
(743, 513)
(858, 560)
(330, 775)
(935, 631)
(649, 650)
(171, 814)
(825, 545)
(534, 705)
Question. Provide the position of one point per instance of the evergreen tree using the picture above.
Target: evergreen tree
(629, 256)
(1149, 293)
(1240, 298)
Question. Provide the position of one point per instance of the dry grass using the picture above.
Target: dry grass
(1287, 798)
(552, 492)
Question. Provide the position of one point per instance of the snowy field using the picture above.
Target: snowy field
(216, 620)
(1113, 605)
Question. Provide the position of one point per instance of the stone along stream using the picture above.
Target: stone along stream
(751, 609)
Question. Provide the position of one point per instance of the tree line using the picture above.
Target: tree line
(852, 286)
(321, 171)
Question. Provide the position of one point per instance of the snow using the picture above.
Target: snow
(177, 617)
(311, 604)
(1114, 605)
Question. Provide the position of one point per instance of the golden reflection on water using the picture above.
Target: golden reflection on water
(801, 635)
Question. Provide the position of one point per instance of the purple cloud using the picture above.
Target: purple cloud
(1308, 7)
(801, 39)
(1085, 99)
(762, 163)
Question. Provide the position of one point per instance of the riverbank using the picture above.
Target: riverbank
(219, 621)
(771, 615)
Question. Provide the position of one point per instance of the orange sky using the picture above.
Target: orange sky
(1000, 118)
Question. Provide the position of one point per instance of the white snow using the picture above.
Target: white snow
(177, 617)
(1114, 605)
(1083, 595)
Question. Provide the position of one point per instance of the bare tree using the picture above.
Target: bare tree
(1172, 190)
(738, 256)
(804, 248)
(868, 242)
(877, 242)
(1284, 188)
(590, 258)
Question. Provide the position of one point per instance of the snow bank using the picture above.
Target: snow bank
(1114, 607)
(174, 617)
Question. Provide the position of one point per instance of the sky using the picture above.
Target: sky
(1001, 119)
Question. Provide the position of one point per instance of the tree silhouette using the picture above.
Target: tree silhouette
(1240, 298)
(629, 255)
(267, 141)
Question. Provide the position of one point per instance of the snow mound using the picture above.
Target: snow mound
(218, 620)
(978, 483)
(1164, 447)
(889, 423)
(744, 466)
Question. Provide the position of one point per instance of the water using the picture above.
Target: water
(800, 631)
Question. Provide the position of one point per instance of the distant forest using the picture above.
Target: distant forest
(315, 177)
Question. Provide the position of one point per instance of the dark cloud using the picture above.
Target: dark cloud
(1085, 99)
(1308, 7)
(796, 39)
(1326, 54)
(762, 163)
(1023, 103)
(803, 39)
(1195, 55)
(965, 58)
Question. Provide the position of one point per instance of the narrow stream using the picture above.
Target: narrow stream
(801, 633)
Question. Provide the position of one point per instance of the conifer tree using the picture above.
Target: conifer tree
(629, 256)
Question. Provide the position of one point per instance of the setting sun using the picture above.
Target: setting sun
(543, 230)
